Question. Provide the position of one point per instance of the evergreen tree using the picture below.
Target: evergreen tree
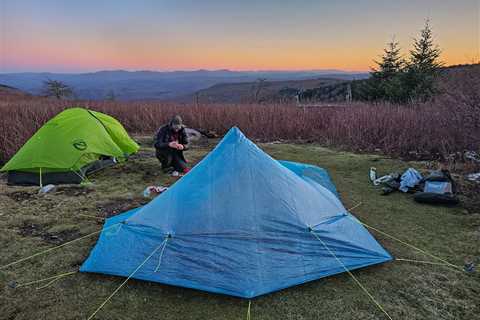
(400, 81)
(386, 78)
(423, 65)
(392, 62)
(425, 54)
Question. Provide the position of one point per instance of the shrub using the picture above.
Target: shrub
(435, 129)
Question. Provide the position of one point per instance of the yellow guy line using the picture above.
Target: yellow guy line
(124, 282)
(353, 277)
(57, 247)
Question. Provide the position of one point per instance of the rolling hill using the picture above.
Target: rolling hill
(152, 85)
(332, 88)
(7, 92)
(258, 91)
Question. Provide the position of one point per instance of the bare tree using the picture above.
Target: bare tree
(261, 83)
(57, 89)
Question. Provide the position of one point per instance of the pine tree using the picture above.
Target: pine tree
(396, 80)
(385, 81)
(425, 54)
(423, 66)
(392, 62)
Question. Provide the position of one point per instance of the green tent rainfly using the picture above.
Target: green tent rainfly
(74, 143)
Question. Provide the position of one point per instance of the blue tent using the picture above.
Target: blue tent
(239, 223)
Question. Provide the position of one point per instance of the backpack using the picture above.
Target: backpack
(438, 188)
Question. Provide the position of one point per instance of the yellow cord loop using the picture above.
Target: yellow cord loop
(248, 310)
(57, 247)
(164, 243)
(53, 279)
(351, 275)
(125, 281)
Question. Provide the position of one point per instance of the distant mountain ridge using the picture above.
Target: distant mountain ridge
(156, 85)
(328, 88)
(265, 91)
(11, 92)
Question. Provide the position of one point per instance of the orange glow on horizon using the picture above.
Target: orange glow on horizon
(84, 36)
(45, 56)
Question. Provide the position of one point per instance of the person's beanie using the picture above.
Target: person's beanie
(176, 121)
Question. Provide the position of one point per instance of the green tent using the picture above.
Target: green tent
(74, 143)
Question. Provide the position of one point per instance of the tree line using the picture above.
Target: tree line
(401, 80)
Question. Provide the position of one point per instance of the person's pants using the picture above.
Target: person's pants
(171, 158)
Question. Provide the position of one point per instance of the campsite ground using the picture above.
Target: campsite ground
(31, 223)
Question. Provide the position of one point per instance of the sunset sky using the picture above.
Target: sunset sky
(90, 35)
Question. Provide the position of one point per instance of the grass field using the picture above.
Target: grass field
(31, 223)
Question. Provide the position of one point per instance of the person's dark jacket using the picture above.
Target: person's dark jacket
(164, 137)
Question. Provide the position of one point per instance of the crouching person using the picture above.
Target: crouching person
(170, 142)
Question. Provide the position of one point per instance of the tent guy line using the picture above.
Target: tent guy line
(56, 247)
(429, 262)
(248, 309)
(351, 275)
(444, 262)
(53, 278)
(161, 252)
(408, 245)
(126, 280)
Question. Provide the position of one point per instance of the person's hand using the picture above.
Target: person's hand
(180, 146)
(173, 145)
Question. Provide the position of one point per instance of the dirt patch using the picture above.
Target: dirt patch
(120, 205)
(30, 229)
(134, 168)
(21, 195)
(73, 191)
(62, 237)
(77, 263)
(148, 174)
(143, 154)
(37, 230)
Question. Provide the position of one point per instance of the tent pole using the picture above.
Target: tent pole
(40, 174)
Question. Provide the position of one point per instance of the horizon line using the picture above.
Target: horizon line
(333, 70)
(330, 70)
